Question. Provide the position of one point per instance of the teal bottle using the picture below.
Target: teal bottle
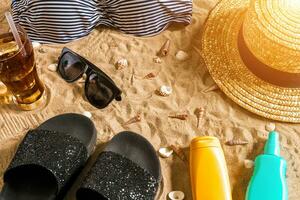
(269, 177)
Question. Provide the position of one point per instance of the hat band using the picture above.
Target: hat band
(263, 71)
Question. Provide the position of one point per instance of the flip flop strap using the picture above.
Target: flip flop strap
(116, 177)
(59, 153)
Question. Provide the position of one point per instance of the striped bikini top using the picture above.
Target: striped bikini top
(57, 21)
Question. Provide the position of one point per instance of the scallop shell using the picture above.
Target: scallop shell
(87, 114)
(121, 64)
(52, 67)
(176, 195)
(270, 127)
(165, 91)
(36, 45)
(165, 152)
(181, 55)
(157, 60)
(248, 163)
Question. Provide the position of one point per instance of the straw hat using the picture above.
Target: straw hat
(252, 51)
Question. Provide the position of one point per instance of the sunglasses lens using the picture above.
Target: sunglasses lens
(98, 92)
(71, 67)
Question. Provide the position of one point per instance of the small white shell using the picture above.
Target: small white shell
(270, 127)
(36, 45)
(165, 152)
(157, 60)
(87, 114)
(121, 64)
(52, 67)
(248, 163)
(176, 195)
(181, 55)
(165, 90)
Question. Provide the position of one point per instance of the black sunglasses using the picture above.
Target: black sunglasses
(99, 88)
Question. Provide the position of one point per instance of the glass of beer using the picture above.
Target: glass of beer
(18, 71)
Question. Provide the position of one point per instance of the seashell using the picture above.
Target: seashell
(199, 112)
(135, 119)
(270, 127)
(165, 152)
(248, 163)
(87, 114)
(132, 76)
(52, 67)
(164, 49)
(181, 117)
(36, 45)
(211, 88)
(157, 60)
(176, 195)
(121, 64)
(164, 91)
(150, 76)
(236, 142)
(178, 151)
(181, 55)
(41, 50)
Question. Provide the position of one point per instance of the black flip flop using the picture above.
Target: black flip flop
(127, 169)
(49, 158)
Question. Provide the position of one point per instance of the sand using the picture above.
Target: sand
(223, 118)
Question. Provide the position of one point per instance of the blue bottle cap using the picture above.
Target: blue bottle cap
(272, 146)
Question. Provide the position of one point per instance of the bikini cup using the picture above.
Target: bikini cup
(58, 21)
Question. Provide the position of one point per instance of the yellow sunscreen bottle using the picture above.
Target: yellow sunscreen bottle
(208, 170)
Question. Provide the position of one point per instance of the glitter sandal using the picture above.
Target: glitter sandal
(49, 158)
(127, 169)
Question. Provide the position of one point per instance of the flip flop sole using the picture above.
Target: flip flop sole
(76, 125)
(128, 168)
(49, 158)
(137, 149)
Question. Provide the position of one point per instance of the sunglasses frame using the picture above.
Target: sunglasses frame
(89, 69)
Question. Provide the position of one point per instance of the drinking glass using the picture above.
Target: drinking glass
(18, 72)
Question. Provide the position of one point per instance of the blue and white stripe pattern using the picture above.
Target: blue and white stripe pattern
(61, 21)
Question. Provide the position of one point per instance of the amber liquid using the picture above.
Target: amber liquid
(18, 70)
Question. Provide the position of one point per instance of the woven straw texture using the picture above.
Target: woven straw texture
(221, 54)
(272, 32)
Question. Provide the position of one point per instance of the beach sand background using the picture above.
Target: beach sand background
(223, 118)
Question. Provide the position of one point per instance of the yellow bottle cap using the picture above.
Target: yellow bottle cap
(203, 142)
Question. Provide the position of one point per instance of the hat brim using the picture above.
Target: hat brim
(222, 58)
